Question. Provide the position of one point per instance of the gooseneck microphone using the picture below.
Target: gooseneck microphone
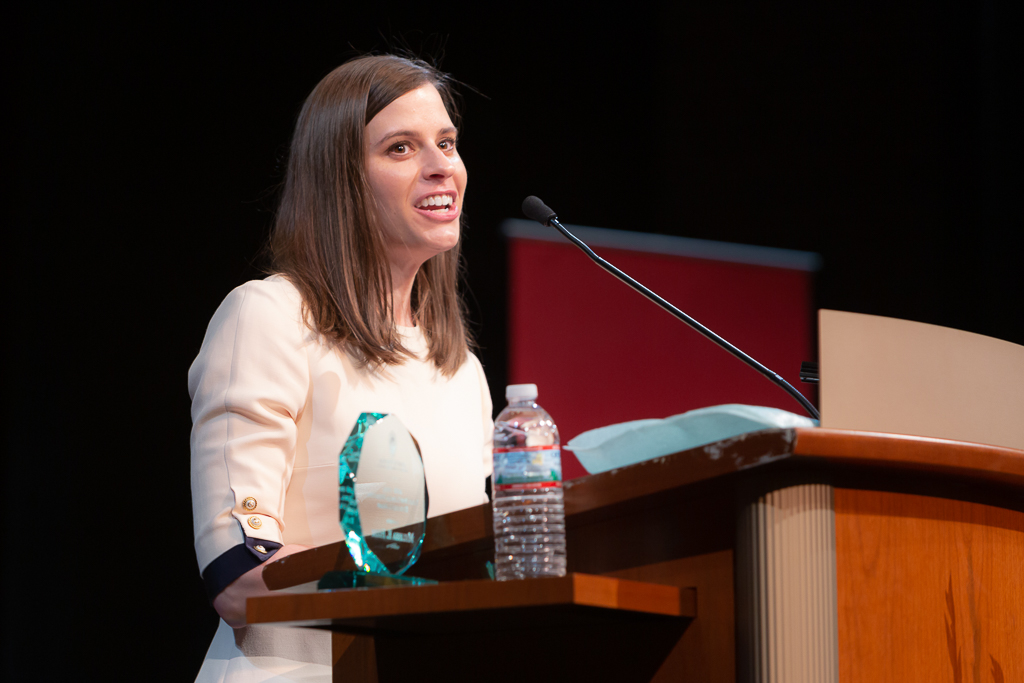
(537, 210)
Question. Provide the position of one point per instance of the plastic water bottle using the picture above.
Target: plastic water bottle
(529, 516)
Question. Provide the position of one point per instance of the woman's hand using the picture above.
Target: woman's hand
(230, 604)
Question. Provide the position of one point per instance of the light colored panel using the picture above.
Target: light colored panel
(887, 375)
(786, 588)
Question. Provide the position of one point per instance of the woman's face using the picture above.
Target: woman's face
(417, 176)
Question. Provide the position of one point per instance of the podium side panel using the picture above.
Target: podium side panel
(707, 650)
(929, 589)
(354, 659)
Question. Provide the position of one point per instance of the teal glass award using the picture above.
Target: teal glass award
(382, 503)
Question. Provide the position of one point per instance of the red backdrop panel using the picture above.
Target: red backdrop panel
(600, 353)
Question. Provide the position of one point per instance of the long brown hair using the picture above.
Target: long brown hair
(327, 237)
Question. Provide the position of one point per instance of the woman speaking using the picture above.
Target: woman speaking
(362, 314)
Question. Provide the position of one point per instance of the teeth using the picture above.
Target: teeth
(437, 200)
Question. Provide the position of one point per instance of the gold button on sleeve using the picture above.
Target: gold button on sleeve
(260, 549)
(249, 503)
(255, 522)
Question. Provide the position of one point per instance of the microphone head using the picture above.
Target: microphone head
(534, 208)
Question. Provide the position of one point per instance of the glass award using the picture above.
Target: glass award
(382, 503)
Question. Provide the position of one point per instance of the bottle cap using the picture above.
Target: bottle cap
(521, 392)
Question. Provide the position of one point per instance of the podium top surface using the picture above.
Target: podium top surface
(877, 458)
(808, 446)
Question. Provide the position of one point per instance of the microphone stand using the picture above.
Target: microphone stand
(772, 377)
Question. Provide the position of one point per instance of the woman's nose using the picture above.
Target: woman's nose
(438, 165)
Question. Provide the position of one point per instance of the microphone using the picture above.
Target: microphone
(534, 208)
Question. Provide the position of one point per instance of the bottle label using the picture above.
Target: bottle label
(527, 468)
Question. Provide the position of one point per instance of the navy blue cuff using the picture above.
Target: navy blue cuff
(236, 561)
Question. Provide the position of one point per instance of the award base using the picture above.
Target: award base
(351, 579)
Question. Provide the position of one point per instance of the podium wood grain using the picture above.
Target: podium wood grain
(622, 630)
(930, 589)
(928, 542)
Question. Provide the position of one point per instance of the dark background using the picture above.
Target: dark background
(148, 145)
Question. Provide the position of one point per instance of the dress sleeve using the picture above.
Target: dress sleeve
(248, 385)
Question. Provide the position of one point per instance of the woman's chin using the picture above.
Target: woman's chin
(443, 238)
(412, 255)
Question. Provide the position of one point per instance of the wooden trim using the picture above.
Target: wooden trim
(583, 590)
(971, 460)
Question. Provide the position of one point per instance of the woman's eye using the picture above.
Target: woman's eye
(400, 148)
(448, 144)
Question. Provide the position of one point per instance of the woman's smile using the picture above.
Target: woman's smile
(441, 206)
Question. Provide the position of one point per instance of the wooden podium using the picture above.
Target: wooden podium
(781, 555)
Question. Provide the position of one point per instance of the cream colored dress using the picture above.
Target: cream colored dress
(272, 406)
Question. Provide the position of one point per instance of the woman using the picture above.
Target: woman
(361, 315)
